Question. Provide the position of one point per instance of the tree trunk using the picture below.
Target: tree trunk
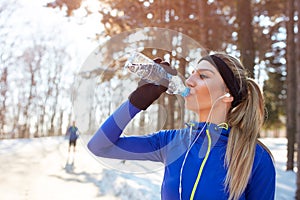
(202, 19)
(161, 112)
(245, 34)
(298, 97)
(171, 110)
(61, 116)
(291, 86)
(3, 92)
(56, 81)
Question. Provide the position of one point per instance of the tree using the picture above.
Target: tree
(70, 4)
(275, 100)
(245, 34)
(291, 84)
(36, 68)
(32, 67)
(3, 92)
(197, 19)
(5, 11)
(216, 25)
(297, 10)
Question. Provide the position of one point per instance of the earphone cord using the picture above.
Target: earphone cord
(202, 165)
(187, 152)
(185, 156)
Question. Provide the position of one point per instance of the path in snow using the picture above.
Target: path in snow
(34, 169)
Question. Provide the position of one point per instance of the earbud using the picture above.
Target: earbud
(223, 96)
(227, 95)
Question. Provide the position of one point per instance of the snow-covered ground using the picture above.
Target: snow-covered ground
(34, 169)
(285, 181)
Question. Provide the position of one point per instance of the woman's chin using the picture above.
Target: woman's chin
(190, 107)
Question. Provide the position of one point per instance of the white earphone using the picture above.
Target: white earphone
(227, 95)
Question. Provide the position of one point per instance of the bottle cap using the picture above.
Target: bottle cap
(185, 92)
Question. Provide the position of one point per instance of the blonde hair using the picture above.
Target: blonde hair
(245, 121)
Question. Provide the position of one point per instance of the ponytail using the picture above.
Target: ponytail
(245, 120)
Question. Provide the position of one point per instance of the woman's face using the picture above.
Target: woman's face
(207, 86)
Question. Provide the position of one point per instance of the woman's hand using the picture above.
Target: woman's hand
(147, 93)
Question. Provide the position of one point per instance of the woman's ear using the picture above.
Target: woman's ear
(228, 98)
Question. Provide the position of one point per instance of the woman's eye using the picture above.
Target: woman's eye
(202, 76)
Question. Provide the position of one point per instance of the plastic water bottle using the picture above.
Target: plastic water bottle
(147, 69)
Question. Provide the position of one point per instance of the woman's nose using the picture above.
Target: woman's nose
(190, 82)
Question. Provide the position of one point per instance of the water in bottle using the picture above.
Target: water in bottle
(152, 72)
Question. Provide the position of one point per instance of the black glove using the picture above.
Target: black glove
(147, 93)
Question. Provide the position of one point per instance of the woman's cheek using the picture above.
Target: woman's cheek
(191, 102)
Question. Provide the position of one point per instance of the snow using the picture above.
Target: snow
(285, 180)
(42, 168)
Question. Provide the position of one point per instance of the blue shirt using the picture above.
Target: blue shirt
(170, 148)
(72, 130)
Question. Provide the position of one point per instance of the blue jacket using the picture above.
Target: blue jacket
(170, 147)
(72, 131)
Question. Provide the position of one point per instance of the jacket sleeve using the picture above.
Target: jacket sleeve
(108, 142)
(262, 181)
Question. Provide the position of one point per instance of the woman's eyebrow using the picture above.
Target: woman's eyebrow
(205, 69)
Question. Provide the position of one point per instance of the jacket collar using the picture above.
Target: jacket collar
(219, 133)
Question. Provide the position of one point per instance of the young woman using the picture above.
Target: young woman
(218, 157)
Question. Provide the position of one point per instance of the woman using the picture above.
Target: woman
(218, 157)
